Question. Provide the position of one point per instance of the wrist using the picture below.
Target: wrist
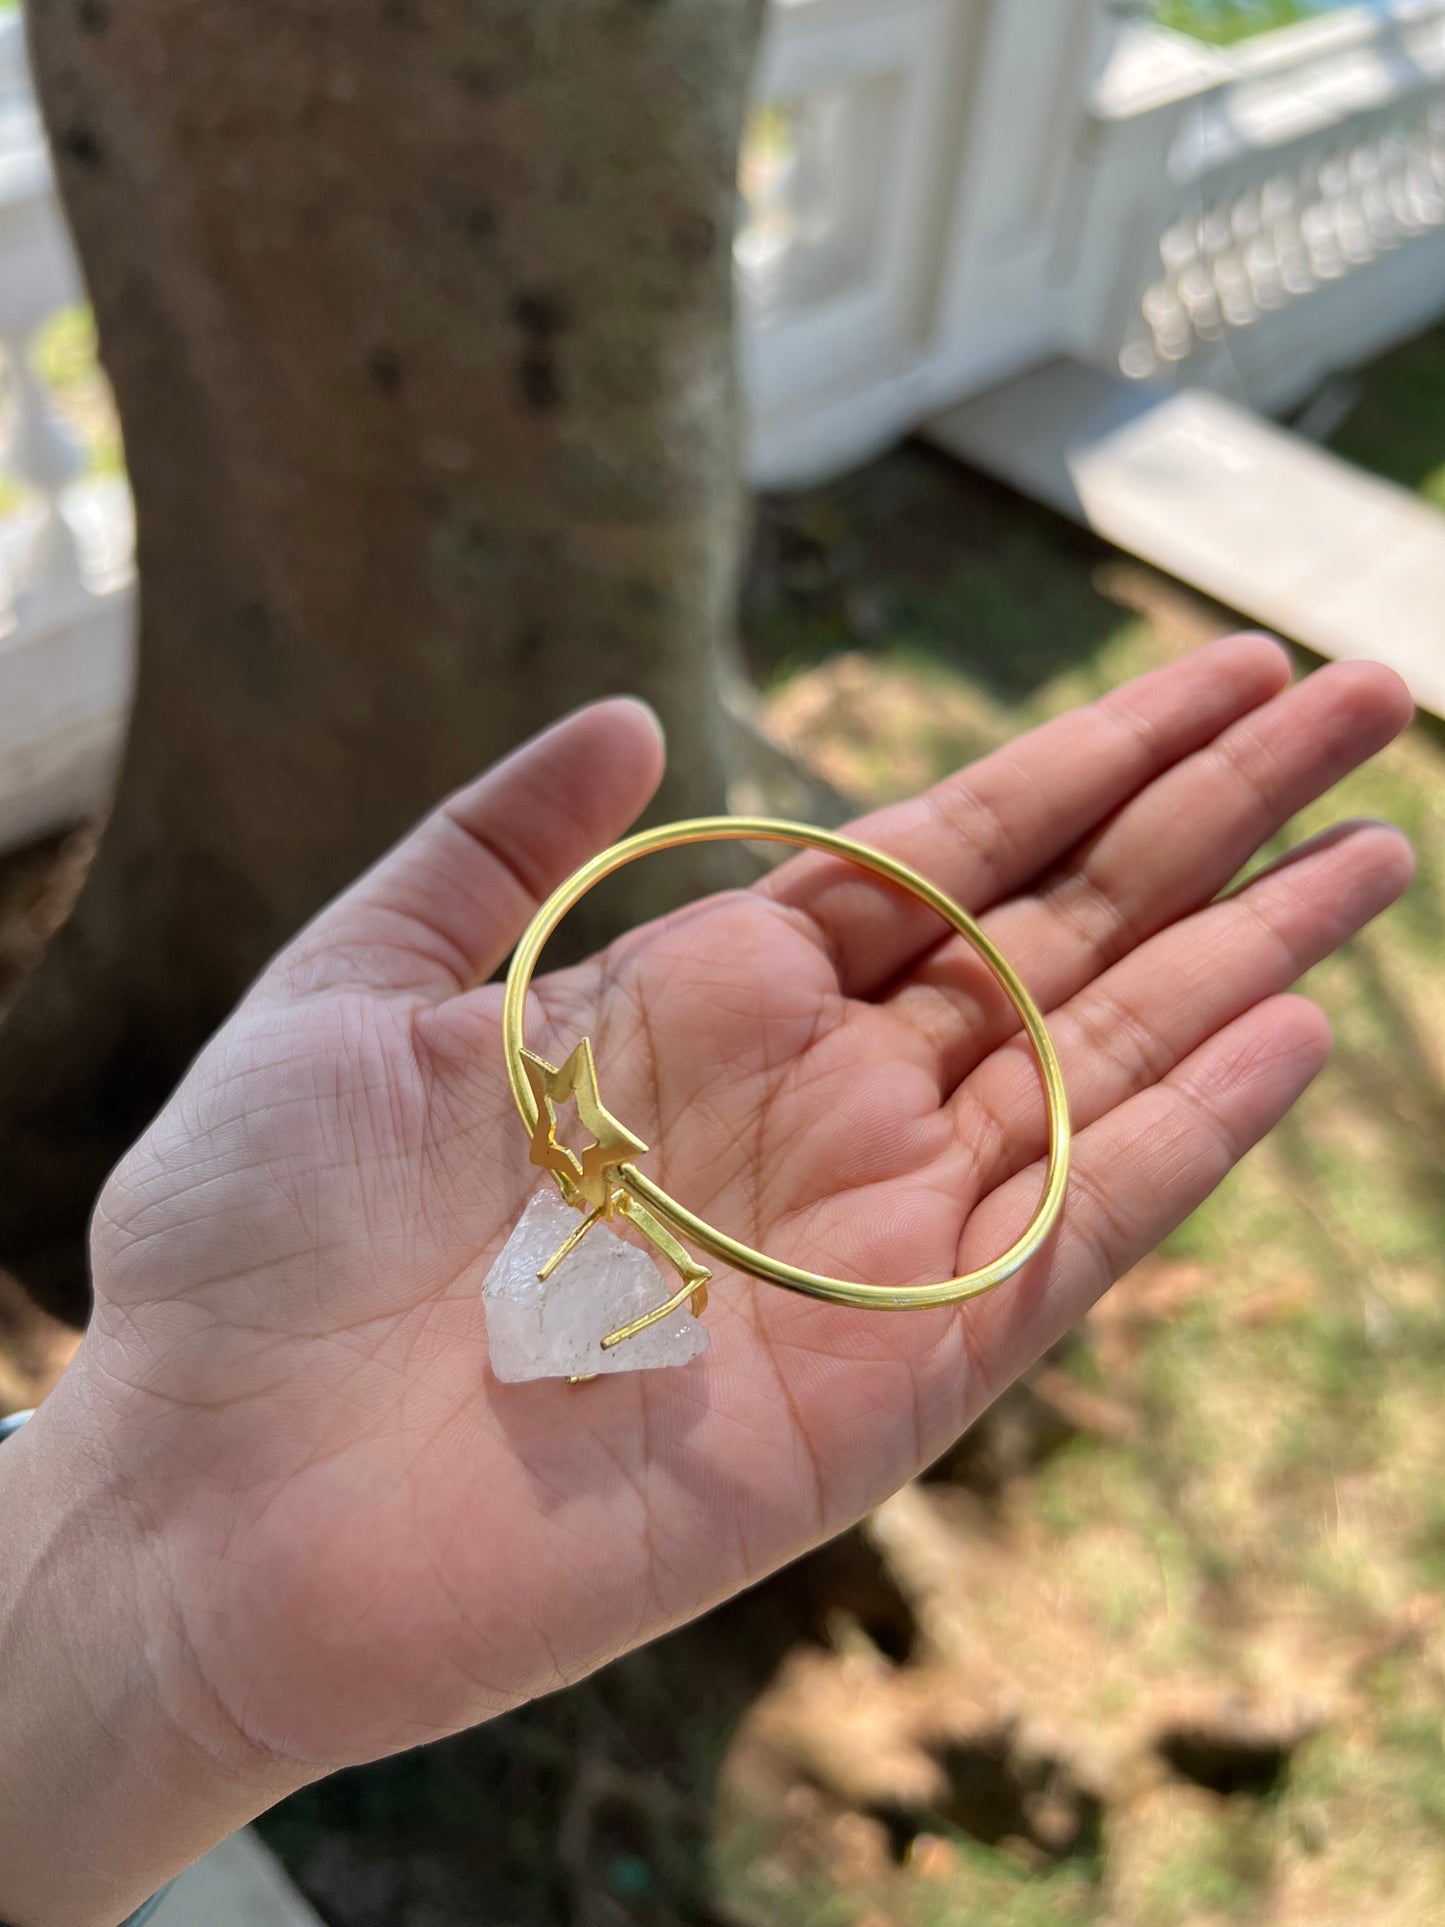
(116, 1773)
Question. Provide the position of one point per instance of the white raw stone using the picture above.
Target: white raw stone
(555, 1330)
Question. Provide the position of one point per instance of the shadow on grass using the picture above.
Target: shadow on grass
(923, 558)
(1397, 427)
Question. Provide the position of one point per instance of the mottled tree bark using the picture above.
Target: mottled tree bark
(418, 316)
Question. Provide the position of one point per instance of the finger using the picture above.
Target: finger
(442, 909)
(990, 829)
(1136, 1175)
(1133, 1025)
(1169, 850)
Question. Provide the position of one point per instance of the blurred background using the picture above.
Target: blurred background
(1049, 378)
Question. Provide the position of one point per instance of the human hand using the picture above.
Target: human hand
(343, 1535)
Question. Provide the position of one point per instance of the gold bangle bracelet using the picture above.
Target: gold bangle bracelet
(613, 1182)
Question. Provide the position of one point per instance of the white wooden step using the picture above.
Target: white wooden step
(241, 1883)
(1291, 536)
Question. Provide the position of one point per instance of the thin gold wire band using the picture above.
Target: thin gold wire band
(730, 1251)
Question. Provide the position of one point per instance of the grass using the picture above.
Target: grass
(1395, 426)
(979, 1889)
(1273, 1524)
(1223, 22)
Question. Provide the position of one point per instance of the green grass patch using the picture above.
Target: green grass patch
(1397, 427)
(1223, 22)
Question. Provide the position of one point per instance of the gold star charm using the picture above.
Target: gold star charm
(590, 1177)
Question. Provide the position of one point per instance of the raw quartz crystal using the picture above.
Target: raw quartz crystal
(555, 1330)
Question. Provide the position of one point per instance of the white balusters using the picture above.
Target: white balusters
(1275, 227)
(66, 605)
(43, 458)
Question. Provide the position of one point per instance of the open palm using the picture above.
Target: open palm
(362, 1539)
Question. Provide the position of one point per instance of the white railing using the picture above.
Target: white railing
(943, 192)
(1268, 217)
(66, 597)
(937, 194)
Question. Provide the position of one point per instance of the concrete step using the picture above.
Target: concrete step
(238, 1884)
(1291, 536)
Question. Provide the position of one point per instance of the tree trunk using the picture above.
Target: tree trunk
(418, 314)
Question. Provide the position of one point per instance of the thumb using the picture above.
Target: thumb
(439, 912)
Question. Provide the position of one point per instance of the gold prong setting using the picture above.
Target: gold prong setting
(595, 1181)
